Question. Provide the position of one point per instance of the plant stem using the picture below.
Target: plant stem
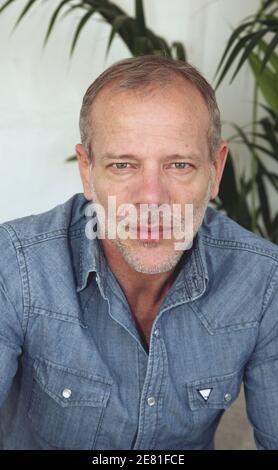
(254, 164)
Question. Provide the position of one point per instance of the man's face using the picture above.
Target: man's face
(151, 147)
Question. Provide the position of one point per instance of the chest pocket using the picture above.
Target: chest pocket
(208, 398)
(67, 405)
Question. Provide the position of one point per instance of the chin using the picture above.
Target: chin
(150, 269)
(150, 257)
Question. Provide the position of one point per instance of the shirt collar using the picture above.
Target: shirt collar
(196, 273)
(91, 257)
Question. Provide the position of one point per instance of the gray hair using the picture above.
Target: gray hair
(140, 72)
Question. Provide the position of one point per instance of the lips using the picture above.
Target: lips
(149, 229)
(151, 232)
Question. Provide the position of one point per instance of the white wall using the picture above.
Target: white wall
(41, 90)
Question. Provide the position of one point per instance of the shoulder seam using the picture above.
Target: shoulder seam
(58, 233)
(235, 245)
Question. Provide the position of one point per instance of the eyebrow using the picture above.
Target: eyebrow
(192, 156)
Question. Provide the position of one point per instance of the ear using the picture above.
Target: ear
(84, 170)
(218, 164)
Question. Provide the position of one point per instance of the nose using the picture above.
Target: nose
(151, 188)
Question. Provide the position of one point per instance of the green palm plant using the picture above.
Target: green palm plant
(247, 44)
(138, 38)
(236, 189)
(255, 42)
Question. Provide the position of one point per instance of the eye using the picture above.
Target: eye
(119, 166)
(181, 165)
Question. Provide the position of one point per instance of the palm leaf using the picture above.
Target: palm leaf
(263, 199)
(270, 54)
(255, 27)
(272, 177)
(228, 193)
(272, 114)
(179, 50)
(140, 17)
(267, 81)
(79, 28)
(71, 158)
(6, 4)
(267, 3)
(71, 8)
(270, 51)
(25, 10)
(116, 25)
(232, 40)
(255, 40)
(133, 31)
(270, 134)
(54, 18)
(158, 43)
(142, 46)
(232, 56)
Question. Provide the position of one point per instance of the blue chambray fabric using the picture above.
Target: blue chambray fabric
(74, 371)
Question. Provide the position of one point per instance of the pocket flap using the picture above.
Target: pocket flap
(214, 392)
(71, 387)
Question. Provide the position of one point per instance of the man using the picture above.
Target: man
(128, 342)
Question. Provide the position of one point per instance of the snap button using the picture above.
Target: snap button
(156, 332)
(227, 397)
(66, 393)
(151, 401)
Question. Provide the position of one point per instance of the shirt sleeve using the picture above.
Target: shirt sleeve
(261, 374)
(11, 312)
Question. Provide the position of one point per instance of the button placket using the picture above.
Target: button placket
(153, 389)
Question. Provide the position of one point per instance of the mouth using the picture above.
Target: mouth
(151, 232)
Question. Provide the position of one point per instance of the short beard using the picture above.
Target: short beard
(134, 262)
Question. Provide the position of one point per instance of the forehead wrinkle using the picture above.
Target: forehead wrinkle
(179, 86)
(129, 115)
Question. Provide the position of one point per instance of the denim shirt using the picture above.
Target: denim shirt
(74, 372)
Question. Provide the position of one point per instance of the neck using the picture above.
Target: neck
(137, 286)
